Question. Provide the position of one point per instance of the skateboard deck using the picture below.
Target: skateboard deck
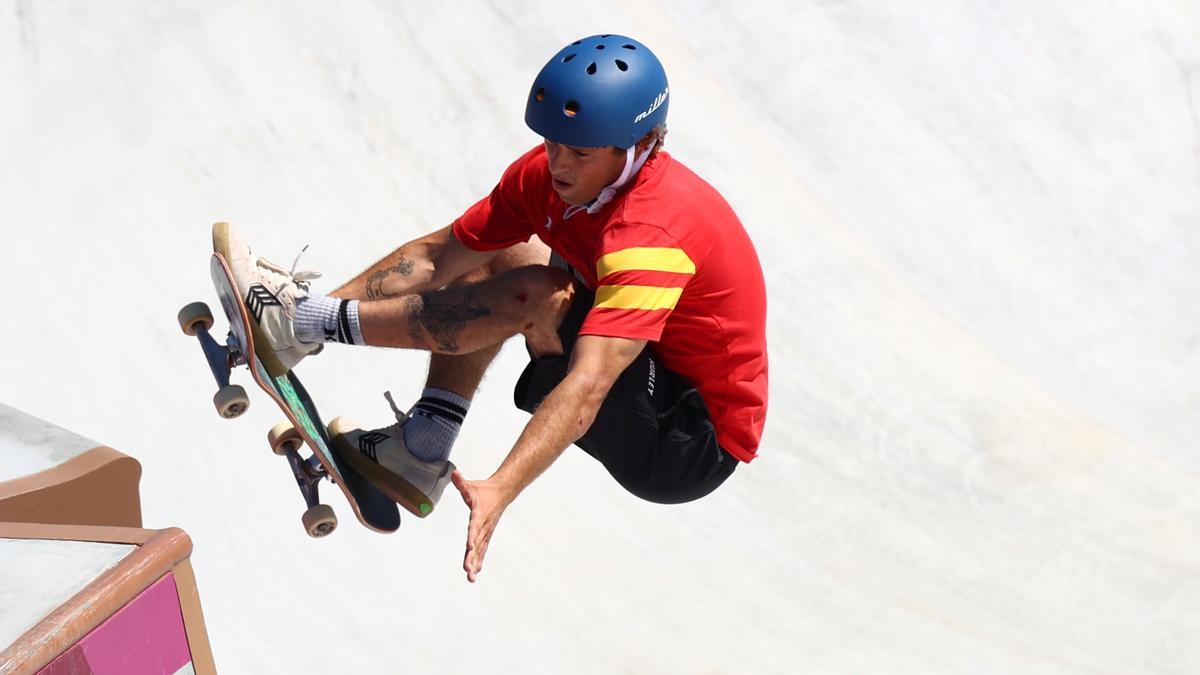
(372, 508)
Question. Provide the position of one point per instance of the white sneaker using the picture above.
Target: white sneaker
(381, 456)
(270, 293)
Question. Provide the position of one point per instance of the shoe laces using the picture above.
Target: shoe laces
(401, 417)
(300, 278)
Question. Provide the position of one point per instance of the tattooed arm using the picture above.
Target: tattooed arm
(420, 265)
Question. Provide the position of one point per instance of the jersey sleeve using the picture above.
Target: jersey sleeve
(499, 220)
(642, 273)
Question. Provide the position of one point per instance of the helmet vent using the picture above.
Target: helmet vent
(591, 70)
(599, 46)
(577, 42)
(606, 35)
(540, 95)
(622, 65)
(571, 109)
(631, 47)
(568, 57)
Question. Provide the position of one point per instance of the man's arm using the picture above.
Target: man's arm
(562, 418)
(420, 265)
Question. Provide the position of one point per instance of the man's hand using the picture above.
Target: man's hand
(561, 419)
(486, 501)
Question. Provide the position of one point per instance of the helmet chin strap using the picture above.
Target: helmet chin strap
(633, 164)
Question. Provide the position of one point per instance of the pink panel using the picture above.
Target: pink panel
(70, 662)
(144, 637)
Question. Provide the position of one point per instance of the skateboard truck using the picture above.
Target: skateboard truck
(230, 400)
(319, 520)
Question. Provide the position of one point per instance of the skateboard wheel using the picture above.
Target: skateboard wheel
(231, 401)
(195, 317)
(319, 520)
(284, 437)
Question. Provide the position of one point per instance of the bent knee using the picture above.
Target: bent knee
(540, 281)
(530, 253)
(544, 293)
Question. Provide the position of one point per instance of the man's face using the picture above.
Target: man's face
(579, 174)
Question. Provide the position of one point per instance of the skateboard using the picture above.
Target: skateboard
(303, 426)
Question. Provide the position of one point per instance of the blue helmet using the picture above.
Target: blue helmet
(599, 91)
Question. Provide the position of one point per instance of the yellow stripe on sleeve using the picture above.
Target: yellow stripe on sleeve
(637, 297)
(645, 259)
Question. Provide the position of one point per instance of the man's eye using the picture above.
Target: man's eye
(580, 153)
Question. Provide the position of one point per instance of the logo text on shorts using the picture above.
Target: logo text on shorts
(650, 387)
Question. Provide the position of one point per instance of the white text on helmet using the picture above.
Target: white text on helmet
(653, 106)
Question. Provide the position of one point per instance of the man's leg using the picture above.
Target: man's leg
(290, 322)
(408, 460)
(464, 319)
(453, 379)
(462, 373)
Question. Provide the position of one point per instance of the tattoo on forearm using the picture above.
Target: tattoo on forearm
(444, 314)
(403, 267)
(414, 306)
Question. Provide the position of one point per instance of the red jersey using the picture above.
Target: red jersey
(669, 262)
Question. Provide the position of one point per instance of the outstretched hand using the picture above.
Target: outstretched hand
(487, 503)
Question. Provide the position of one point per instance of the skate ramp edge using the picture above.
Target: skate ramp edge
(54, 476)
(97, 487)
(84, 588)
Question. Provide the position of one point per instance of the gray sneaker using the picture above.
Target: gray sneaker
(270, 293)
(381, 456)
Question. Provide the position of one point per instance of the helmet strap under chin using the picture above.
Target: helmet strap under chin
(633, 163)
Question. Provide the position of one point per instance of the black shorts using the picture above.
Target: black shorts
(653, 432)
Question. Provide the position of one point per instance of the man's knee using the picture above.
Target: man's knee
(546, 291)
(541, 279)
(526, 254)
(532, 253)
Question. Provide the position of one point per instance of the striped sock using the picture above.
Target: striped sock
(433, 424)
(321, 318)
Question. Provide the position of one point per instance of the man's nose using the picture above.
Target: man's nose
(553, 154)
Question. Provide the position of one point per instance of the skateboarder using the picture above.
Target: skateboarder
(637, 289)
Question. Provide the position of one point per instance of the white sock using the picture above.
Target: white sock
(322, 318)
(433, 424)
